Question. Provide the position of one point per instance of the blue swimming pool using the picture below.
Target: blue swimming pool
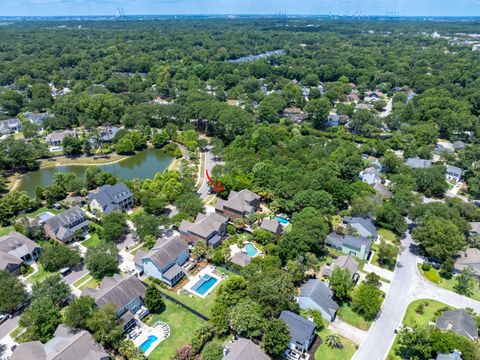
(204, 284)
(250, 249)
(147, 343)
(282, 220)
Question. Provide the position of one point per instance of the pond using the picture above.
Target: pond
(142, 165)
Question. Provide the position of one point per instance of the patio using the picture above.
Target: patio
(147, 338)
(198, 284)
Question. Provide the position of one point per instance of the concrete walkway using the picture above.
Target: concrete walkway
(346, 330)
(384, 273)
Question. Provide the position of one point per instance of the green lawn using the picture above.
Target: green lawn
(446, 283)
(92, 283)
(41, 210)
(81, 280)
(388, 235)
(94, 240)
(182, 326)
(6, 230)
(346, 314)
(40, 275)
(325, 352)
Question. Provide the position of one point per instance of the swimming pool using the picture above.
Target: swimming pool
(250, 249)
(147, 343)
(282, 220)
(204, 284)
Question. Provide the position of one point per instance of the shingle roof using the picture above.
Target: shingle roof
(475, 227)
(117, 290)
(365, 223)
(59, 135)
(61, 223)
(271, 225)
(32, 350)
(204, 225)
(320, 294)
(300, 328)
(454, 170)
(13, 247)
(241, 259)
(382, 190)
(166, 250)
(346, 262)
(244, 349)
(355, 242)
(469, 257)
(108, 196)
(239, 201)
(172, 272)
(458, 321)
(416, 163)
(455, 355)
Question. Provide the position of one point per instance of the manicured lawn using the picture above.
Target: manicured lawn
(388, 235)
(92, 283)
(430, 307)
(346, 313)
(40, 275)
(6, 230)
(81, 280)
(94, 240)
(182, 326)
(41, 210)
(325, 352)
(448, 284)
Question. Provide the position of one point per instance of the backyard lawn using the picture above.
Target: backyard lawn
(40, 275)
(325, 352)
(41, 210)
(433, 276)
(182, 326)
(94, 240)
(6, 230)
(346, 314)
(388, 235)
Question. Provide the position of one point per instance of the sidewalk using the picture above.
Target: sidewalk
(346, 330)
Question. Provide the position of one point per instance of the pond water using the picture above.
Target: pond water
(142, 165)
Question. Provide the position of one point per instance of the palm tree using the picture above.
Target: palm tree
(333, 341)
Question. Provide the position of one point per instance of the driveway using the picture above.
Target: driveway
(346, 330)
(383, 273)
(210, 162)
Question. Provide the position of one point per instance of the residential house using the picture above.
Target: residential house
(64, 227)
(476, 47)
(37, 118)
(416, 163)
(444, 148)
(10, 126)
(111, 198)
(302, 331)
(469, 257)
(474, 228)
(351, 245)
(243, 349)
(459, 145)
(382, 191)
(333, 120)
(295, 114)
(458, 321)
(455, 355)
(240, 259)
(316, 295)
(353, 97)
(107, 133)
(16, 249)
(411, 95)
(371, 176)
(56, 138)
(453, 173)
(164, 261)
(210, 229)
(373, 95)
(125, 293)
(363, 227)
(271, 225)
(346, 262)
(67, 344)
(239, 204)
(138, 260)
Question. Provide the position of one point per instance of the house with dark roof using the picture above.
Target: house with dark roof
(351, 245)
(346, 262)
(458, 321)
(453, 173)
(125, 293)
(67, 344)
(243, 349)
(15, 250)
(316, 295)
(362, 226)
(56, 138)
(210, 229)
(416, 163)
(239, 204)
(468, 258)
(444, 148)
(164, 261)
(271, 225)
(10, 126)
(302, 331)
(66, 226)
(36, 118)
(110, 198)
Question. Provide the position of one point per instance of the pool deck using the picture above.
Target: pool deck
(192, 280)
(234, 249)
(147, 331)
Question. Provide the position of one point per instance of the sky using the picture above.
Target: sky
(290, 7)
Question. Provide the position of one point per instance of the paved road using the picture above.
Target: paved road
(7, 327)
(407, 286)
(210, 162)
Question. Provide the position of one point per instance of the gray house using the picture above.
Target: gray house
(125, 293)
(458, 321)
(10, 126)
(16, 249)
(371, 176)
(36, 118)
(66, 344)
(302, 331)
(271, 225)
(316, 295)
(239, 204)
(470, 257)
(111, 198)
(209, 229)
(64, 227)
(453, 173)
(346, 262)
(364, 227)
(243, 349)
(56, 138)
(416, 163)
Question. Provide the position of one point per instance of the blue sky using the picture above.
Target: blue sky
(154, 7)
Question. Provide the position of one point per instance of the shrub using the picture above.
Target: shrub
(426, 266)
(420, 309)
(433, 276)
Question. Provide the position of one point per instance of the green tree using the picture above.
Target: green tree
(104, 326)
(212, 351)
(275, 337)
(72, 145)
(79, 311)
(341, 282)
(40, 319)
(153, 299)
(114, 226)
(246, 320)
(12, 292)
(466, 282)
(367, 300)
(102, 260)
(54, 288)
(160, 139)
(129, 351)
(333, 341)
(318, 111)
(56, 256)
(146, 225)
(124, 146)
(190, 204)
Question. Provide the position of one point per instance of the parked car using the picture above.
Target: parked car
(3, 318)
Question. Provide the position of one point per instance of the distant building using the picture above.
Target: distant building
(164, 261)
(373, 95)
(470, 257)
(10, 126)
(210, 229)
(458, 321)
(37, 118)
(56, 138)
(302, 331)
(15, 250)
(382, 191)
(67, 344)
(444, 148)
(111, 198)
(476, 47)
(272, 226)
(316, 295)
(455, 355)
(371, 176)
(453, 173)
(364, 227)
(351, 245)
(416, 163)
(64, 227)
(459, 145)
(333, 120)
(107, 133)
(125, 293)
(243, 349)
(239, 204)
(295, 114)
